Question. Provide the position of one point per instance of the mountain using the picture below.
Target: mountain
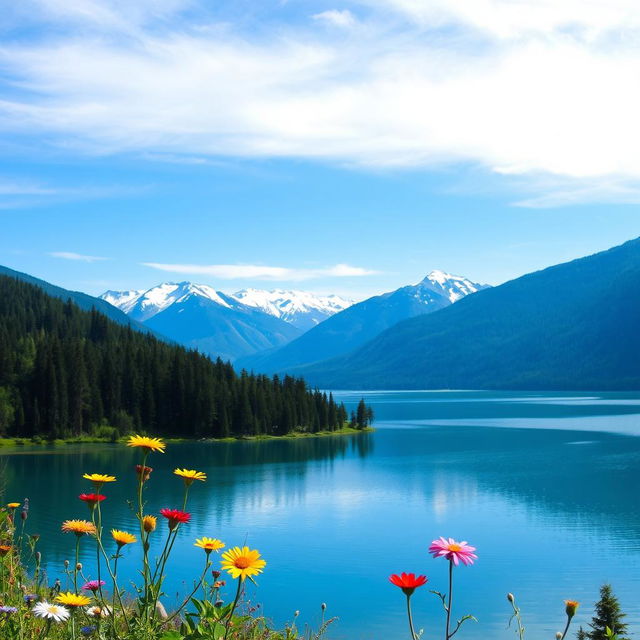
(83, 300)
(360, 322)
(573, 326)
(67, 372)
(300, 308)
(202, 318)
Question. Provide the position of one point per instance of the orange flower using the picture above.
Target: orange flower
(4, 549)
(122, 537)
(79, 527)
(149, 523)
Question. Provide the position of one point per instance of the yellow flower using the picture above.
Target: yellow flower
(79, 527)
(122, 537)
(189, 475)
(13, 505)
(242, 562)
(72, 600)
(209, 544)
(149, 523)
(98, 479)
(148, 444)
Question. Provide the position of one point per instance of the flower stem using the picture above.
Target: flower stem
(449, 599)
(413, 633)
(233, 608)
(566, 628)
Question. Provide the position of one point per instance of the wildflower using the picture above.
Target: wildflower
(88, 630)
(209, 544)
(149, 523)
(175, 517)
(408, 582)
(454, 551)
(219, 583)
(148, 444)
(215, 573)
(98, 479)
(13, 505)
(571, 608)
(72, 599)
(189, 475)
(93, 585)
(92, 499)
(242, 562)
(122, 537)
(98, 612)
(4, 549)
(79, 527)
(29, 598)
(7, 611)
(51, 611)
(143, 472)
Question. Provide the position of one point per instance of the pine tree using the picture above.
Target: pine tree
(607, 614)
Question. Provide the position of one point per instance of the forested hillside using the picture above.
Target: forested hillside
(67, 372)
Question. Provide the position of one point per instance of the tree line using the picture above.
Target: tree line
(66, 372)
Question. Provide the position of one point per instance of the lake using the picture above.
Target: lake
(544, 485)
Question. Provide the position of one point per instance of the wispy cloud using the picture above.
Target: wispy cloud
(337, 18)
(70, 255)
(260, 272)
(537, 86)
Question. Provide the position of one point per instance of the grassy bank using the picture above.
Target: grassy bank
(87, 439)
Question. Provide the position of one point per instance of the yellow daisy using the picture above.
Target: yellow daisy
(149, 523)
(122, 537)
(13, 505)
(148, 444)
(98, 479)
(79, 527)
(209, 544)
(242, 562)
(72, 599)
(189, 475)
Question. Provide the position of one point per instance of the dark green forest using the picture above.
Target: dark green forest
(67, 372)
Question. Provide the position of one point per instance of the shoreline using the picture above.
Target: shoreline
(294, 435)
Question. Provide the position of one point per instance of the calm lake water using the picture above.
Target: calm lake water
(545, 486)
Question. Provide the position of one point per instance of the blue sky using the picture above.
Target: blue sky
(334, 147)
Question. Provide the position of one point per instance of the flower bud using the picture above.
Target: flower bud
(38, 557)
(216, 574)
(510, 597)
(296, 613)
(558, 635)
(218, 603)
(79, 566)
(323, 606)
(571, 608)
(66, 564)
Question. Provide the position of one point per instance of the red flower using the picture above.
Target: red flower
(91, 499)
(143, 472)
(175, 517)
(408, 582)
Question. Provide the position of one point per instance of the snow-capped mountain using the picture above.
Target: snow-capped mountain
(300, 308)
(142, 305)
(361, 322)
(200, 317)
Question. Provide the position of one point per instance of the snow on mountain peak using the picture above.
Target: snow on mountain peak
(454, 287)
(300, 308)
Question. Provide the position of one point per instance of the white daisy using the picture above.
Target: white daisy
(98, 612)
(50, 611)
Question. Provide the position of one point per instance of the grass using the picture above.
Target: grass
(88, 439)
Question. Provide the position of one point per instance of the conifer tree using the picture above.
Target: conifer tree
(607, 615)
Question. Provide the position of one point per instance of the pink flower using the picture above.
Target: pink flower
(93, 585)
(451, 550)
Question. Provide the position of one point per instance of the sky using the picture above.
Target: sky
(337, 147)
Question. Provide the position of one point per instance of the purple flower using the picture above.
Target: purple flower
(8, 610)
(93, 585)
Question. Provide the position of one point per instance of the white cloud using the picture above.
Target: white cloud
(546, 88)
(337, 18)
(70, 255)
(260, 272)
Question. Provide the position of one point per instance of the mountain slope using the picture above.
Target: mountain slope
(300, 308)
(84, 301)
(361, 322)
(221, 330)
(572, 326)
